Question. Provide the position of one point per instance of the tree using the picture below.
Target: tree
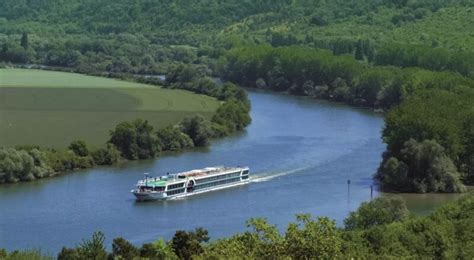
(186, 244)
(359, 53)
(124, 137)
(379, 211)
(79, 147)
(313, 239)
(123, 249)
(68, 254)
(421, 167)
(198, 129)
(94, 248)
(172, 139)
(135, 140)
(106, 155)
(24, 41)
(232, 116)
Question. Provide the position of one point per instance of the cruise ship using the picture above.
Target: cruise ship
(189, 183)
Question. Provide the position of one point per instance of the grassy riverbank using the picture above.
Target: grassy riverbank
(51, 109)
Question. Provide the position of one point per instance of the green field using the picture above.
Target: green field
(51, 109)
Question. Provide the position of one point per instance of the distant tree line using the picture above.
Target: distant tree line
(129, 140)
(318, 73)
(381, 228)
(436, 59)
(28, 163)
(428, 128)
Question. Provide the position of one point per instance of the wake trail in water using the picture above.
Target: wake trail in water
(269, 176)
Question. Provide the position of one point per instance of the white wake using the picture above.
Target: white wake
(269, 176)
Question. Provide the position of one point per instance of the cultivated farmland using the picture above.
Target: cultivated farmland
(51, 109)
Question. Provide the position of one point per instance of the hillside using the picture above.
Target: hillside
(52, 109)
(149, 36)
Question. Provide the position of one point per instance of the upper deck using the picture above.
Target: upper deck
(207, 171)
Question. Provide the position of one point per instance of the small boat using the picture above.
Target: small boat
(190, 183)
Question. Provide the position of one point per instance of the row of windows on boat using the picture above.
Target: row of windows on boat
(173, 192)
(220, 177)
(174, 186)
(217, 183)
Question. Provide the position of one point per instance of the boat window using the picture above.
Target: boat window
(174, 186)
(159, 188)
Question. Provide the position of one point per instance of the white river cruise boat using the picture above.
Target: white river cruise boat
(189, 183)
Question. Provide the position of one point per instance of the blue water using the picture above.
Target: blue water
(301, 153)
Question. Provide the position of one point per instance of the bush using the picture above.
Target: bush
(198, 129)
(79, 147)
(135, 140)
(172, 139)
(123, 249)
(108, 155)
(379, 211)
(231, 116)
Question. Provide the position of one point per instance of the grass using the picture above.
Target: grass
(51, 109)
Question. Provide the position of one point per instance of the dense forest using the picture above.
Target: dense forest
(381, 228)
(399, 56)
(143, 37)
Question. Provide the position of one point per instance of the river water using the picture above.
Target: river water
(301, 153)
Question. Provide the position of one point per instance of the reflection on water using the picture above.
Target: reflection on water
(423, 204)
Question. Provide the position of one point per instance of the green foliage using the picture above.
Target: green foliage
(107, 155)
(186, 244)
(423, 167)
(172, 139)
(307, 239)
(68, 254)
(135, 140)
(79, 147)
(63, 161)
(379, 211)
(94, 248)
(3, 253)
(158, 250)
(317, 73)
(24, 41)
(231, 116)
(437, 59)
(123, 249)
(88, 249)
(198, 129)
(359, 55)
(23, 165)
(440, 116)
(25, 255)
(318, 239)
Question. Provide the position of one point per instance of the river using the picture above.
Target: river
(301, 153)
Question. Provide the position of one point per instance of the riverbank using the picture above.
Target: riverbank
(131, 140)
